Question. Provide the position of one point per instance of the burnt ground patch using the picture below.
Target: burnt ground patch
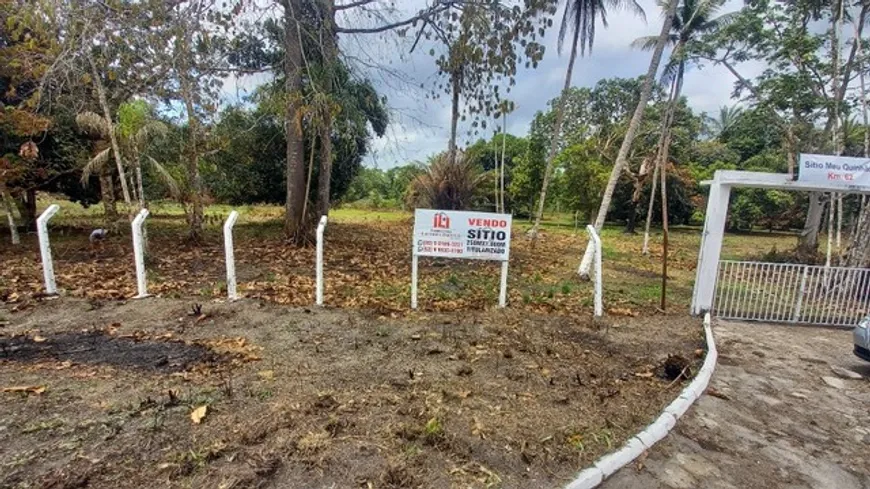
(95, 347)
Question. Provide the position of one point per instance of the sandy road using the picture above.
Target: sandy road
(775, 423)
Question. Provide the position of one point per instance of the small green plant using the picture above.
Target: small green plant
(383, 331)
(576, 442)
(566, 288)
(604, 436)
(453, 280)
(434, 430)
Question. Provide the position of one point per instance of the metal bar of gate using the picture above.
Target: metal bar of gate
(788, 303)
(855, 296)
(755, 291)
(735, 271)
(720, 279)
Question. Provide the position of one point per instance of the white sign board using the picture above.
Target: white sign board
(843, 171)
(461, 234)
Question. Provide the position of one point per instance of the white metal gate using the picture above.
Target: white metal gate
(783, 292)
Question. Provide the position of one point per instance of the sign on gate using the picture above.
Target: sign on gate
(842, 171)
(461, 234)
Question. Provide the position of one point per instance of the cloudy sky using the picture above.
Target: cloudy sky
(420, 127)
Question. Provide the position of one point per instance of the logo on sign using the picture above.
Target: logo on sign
(441, 221)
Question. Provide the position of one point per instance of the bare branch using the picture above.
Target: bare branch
(358, 3)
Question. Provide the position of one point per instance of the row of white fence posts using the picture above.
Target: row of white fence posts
(596, 247)
(48, 263)
(232, 294)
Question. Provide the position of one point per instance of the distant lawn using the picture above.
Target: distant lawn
(371, 247)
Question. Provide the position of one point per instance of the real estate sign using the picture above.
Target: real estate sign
(842, 171)
(460, 234)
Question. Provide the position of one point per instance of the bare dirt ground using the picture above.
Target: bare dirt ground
(771, 421)
(105, 394)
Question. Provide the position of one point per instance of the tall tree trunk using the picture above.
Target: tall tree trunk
(503, 158)
(863, 88)
(10, 216)
(26, 203)
(790, 143)
(324, 178)
(633, 126)
(194, 217)
(330, 58)
(859, 249)
(140, 192)
(456, 87)
(113, 138)
(310, 173)
(649, 211)
(664, 186)
(663, 167)
(555, 136)
(838, 140)
(856, 255)
(832, 201)
(107, 195)
(808, 241)
(662, 147)
(495, 178)
(292, 124)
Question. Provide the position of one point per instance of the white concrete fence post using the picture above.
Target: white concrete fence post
(45, 248)
(595, 243)
(320, 228)
(139, 253)
(230, 256)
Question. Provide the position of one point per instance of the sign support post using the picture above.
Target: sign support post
(502, 289)
(45, 248)
(461, 234)
(414, 279)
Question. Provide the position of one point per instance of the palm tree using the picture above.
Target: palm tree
(451, 182)
(631, 132)
(579, 19)
(134, 138)
(727, 117)
(692, 19)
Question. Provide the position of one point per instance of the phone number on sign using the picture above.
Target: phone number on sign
(448, 247)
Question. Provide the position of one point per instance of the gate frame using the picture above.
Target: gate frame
(717, 211)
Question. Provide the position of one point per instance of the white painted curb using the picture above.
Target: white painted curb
(607, 465)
